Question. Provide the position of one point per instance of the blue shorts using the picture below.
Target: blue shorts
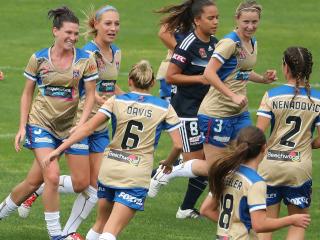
(220, 131)
(165, 89)
(299, 196)
(131, 197)
(37, 137)
(98, 141)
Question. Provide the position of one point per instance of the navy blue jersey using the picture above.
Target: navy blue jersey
(192, 56)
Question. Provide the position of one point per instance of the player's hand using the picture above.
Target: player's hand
(1, 76)
(167, 167)
(239, 100)
(54, 155)
(270, 76)
(301, 220)
(19, 139)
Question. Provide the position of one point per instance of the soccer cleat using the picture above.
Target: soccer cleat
(25, 208)
(73, 236)
(157, 181)
(188, 213)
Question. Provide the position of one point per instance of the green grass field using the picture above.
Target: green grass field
(25, 29)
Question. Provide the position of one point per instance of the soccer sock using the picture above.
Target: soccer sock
(195, 187)
(82, 207)
(53, 223)
(107, 236)
(92, 235)
(7, 207)
(65, 185)
(182, 170)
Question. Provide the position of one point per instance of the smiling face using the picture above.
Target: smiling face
(247, 23)
(66, 36)
(208, 21)
(108, 26)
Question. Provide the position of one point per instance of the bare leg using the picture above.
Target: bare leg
(272, 212)
(296, 233)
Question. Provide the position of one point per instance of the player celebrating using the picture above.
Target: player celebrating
(241, 192)
(60, 72)
(103, 24)
(187, 65)
(293, 112)
(137, 121)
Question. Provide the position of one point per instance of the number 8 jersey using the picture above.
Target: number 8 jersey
(245, 192)
(293, 120)
(137, 121)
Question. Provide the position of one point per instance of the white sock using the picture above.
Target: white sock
(7, 207)
(182, 170)
(53, 223)
(92, 235)
(82, 207)
(107, 236)
(65, 185)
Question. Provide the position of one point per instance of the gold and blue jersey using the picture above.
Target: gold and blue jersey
(237, 64)
(288, 161)
(137, 121)
(55, 105)
(245, 192)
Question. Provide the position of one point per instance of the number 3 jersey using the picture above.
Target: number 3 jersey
(56, 103)
(293, 120)
(245, 192)
(137, 121)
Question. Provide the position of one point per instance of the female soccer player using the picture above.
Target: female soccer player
(137, 120)
(185, 70)
(103, 25)
(241, 192)
(293, 112)
(60, 72)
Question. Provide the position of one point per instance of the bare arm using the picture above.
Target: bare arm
(90, 89)
(174, 76)
(212, 77)
(262, 223)
(268, 77)
(209, 208)
(81, 132)
(263, 123)
(316, 141)
(167, 38)
(25, 105)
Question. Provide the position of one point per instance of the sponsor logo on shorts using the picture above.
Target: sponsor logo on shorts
(124, 157)
(37, 131)
(224, 139)
(43, 140)
(130, 198)
(179, 58)
(283, 155)
(271, 195)
(101, 189)
(80, 146)
(298, 201)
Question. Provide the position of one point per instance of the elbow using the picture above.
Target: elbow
(258, 228)
(169, 79)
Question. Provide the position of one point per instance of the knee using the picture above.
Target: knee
(80, 184)
(52, 179)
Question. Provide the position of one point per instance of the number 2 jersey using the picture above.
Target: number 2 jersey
(245, 192)
(288, 159)
(54, 108)
(137, 121)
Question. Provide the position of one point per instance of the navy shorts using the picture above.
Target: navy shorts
(98, 141)
(299, 196)
(220, 131)
(131, 197)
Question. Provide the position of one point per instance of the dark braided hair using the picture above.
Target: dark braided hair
(61, 15)
(181, 17)
(299, 61)
(247, 146)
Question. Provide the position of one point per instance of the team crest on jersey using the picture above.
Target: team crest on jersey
(202, 53)
(44, 70)
(100, 63)
(240, 51)
(76, 74)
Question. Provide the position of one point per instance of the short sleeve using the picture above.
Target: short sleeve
(30, 71)
(171, 121)
(91, 71)
(180, 57)
(107, 107)
(265, 109)
(257, 194)
(225, 48)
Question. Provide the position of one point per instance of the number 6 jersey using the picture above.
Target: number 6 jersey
(137, 121)
(288, 158)
(245, 192)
